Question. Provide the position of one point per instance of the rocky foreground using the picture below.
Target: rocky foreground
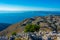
(49, 27)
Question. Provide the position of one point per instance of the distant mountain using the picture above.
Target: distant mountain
(48, 23)
(4, 26)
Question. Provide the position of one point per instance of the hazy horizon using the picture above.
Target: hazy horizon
(29, 5)
(13, 18)
(18, 7)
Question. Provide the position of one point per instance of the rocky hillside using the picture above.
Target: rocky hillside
(48, 23)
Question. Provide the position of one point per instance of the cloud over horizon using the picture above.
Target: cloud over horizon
(25, 8)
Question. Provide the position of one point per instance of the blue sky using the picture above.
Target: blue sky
(25, 5)
(16, 5)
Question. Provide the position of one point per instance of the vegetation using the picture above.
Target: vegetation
(31, 28)
(14, 33)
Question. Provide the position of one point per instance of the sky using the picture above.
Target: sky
(25, 5)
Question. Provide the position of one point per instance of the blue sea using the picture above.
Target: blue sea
(8, 18)
(15, 17)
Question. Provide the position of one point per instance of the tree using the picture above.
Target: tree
(31, 28)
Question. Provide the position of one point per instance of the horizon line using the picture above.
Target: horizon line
(25, 8)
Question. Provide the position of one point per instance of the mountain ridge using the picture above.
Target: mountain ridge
(49, 22)
(4, 26)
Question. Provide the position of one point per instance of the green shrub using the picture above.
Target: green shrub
(14, 33)
(31, 28)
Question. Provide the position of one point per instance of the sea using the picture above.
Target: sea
(15, 17)
(10, 18)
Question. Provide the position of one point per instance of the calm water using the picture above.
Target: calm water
(19, 16)
(11, 18)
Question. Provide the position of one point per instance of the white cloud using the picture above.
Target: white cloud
(24, 8)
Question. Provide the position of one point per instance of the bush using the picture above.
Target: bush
(31, 28)
(14, 33)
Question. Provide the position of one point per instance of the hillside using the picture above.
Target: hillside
(4, 26)
(47, 23)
